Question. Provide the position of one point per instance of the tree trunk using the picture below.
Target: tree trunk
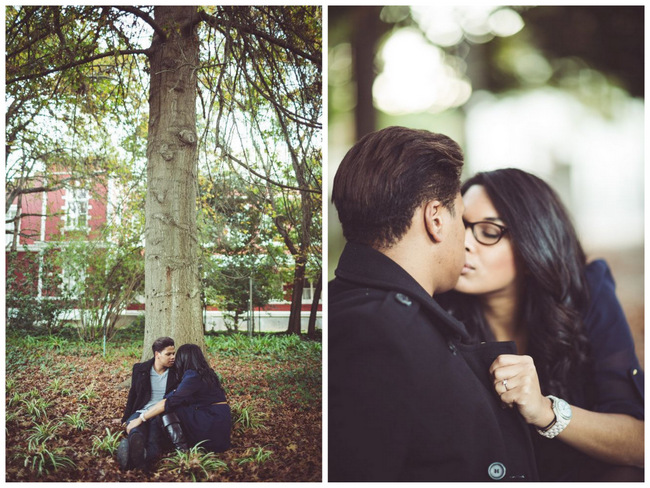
(364, 49)
(172, 285)
(311, 328)
(17, 218)
(296, 296)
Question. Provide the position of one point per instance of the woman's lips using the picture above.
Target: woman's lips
(466, 269)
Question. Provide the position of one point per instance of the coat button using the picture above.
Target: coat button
(403, 299)
(497, 471)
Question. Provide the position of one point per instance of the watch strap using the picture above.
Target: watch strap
(560, 422)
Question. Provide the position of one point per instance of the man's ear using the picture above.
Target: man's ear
(433, 219)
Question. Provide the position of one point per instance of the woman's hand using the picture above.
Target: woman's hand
(133, 424)
(517, 384)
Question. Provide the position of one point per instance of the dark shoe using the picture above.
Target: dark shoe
(172, 425)
(123, 454)
(136, 450)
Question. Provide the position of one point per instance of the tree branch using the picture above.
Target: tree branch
(146, 17)
(78, 62)
(265, 178)
(213, 21)
(20, 216)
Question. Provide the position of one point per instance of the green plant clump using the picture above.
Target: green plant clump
(41, 460)
(246, 417)
(108, 443)
(75, 420)
(257, 455)
(41, 433)
(195, 462)
(36, 407)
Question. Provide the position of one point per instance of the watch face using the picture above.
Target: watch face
(564, 409)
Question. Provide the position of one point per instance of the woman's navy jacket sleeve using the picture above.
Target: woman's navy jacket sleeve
(618, 377)
(186, 392)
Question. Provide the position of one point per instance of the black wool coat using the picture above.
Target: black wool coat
(409, 398)
(140, 392)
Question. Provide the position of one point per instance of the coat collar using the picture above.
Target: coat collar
(147, 365)
(368, 267)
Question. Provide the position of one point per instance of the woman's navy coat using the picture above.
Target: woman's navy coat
(202, 420)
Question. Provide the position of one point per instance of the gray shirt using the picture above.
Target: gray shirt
(158, 386)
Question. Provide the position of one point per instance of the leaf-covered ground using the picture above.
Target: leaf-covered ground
(64, 402)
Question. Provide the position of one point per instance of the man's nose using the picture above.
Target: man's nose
(470, 241)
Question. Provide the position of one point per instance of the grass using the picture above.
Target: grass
(271, 347)
(298, 387)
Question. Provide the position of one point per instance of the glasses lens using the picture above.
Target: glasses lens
(487, 233)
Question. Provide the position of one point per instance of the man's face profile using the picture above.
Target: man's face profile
(456, 241)
(166, 357)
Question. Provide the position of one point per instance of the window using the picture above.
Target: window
(308, 291)
(76, 216)
(72, 282)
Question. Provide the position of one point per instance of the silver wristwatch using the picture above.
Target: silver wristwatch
(563, 414)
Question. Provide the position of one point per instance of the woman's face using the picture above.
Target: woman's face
(491, 269)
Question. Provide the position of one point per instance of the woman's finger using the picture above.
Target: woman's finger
(504, 360)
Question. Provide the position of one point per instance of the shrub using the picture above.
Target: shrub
(26, 311)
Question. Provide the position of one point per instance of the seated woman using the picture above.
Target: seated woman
(199, 402)
(577, 380)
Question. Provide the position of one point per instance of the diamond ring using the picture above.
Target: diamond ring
(505, 384)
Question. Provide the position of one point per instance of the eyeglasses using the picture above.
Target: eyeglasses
(486, 233)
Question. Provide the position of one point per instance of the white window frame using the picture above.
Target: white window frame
(308, 291)
(67, 280)
(74, 198)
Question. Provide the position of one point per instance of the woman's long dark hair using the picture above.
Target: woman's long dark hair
(189, 356)
(554, 292)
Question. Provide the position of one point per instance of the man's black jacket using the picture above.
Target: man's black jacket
(409, 398)
(140, 392)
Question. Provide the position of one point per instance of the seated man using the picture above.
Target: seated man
(410, 394)
(150, 381)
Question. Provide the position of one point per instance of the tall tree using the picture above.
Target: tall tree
(172, 284)
(77, 44)
(274, 111)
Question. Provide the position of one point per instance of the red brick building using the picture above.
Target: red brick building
(51, 217)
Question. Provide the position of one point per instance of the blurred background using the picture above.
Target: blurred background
(555, 90)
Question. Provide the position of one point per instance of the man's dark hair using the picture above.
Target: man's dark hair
(388, 174)
(161, 343)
